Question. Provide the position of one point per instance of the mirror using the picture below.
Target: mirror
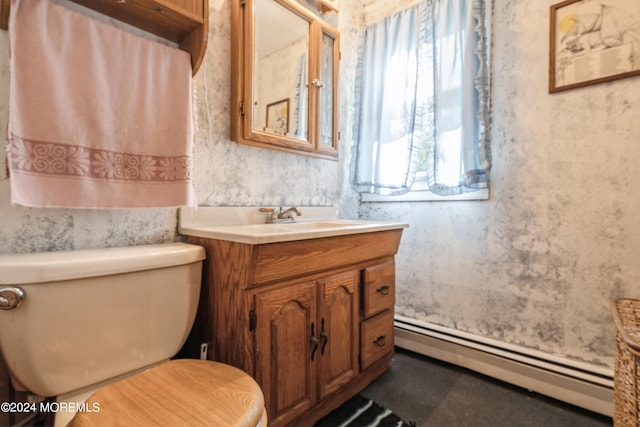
(284, 78)
(280, 101)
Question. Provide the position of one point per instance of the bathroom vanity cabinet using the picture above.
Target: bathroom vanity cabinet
(311, 320)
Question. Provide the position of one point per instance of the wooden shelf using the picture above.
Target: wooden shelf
(185, 22)
(328, 6)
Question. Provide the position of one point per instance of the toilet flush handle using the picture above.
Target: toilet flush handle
(11, 297)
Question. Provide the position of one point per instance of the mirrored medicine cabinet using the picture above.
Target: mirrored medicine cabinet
(284, 72)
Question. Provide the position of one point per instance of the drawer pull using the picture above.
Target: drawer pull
(381, 341)
(384, 290)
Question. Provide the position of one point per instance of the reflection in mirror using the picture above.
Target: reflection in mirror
(280, 74)
(326, 93)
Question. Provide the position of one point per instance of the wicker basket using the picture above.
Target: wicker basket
(626, 388)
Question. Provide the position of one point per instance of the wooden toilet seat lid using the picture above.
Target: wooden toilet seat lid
(183, 392)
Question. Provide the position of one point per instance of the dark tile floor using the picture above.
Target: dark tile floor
(436, 394)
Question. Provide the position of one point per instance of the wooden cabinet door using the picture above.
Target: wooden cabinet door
(285, 318)
(338, 319)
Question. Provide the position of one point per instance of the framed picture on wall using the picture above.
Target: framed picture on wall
(592, 41)
(278, 117)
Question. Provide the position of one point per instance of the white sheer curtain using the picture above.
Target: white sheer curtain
(423, 82)
(389, 122)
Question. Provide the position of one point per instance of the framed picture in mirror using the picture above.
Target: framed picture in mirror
(278, 117)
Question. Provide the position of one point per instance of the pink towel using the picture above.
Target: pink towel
(99, 117)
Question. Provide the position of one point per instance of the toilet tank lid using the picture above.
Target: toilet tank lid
(42, 267)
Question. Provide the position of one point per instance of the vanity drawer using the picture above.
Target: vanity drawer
(377, 338)
(379, 289)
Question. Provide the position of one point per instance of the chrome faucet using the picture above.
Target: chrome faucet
(288, 214)
(279, 215)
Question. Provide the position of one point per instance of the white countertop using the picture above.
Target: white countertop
(248, 225)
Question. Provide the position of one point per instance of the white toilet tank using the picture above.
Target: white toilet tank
(91, 315)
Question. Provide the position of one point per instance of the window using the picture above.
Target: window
(423, 96)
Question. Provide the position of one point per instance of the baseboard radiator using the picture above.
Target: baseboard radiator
(580, 384)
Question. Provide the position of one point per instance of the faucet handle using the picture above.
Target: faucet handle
(272, 212)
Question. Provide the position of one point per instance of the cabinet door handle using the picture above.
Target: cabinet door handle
(314, 341)
(384, 290)
(380, 341)
(325, 338)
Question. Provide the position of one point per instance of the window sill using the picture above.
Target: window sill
(426, 196)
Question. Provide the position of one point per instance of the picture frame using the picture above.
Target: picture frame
(593, 42)
(278, 117)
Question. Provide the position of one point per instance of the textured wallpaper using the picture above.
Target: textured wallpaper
(537, 264)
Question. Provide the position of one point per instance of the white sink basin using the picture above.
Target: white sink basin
(205, 223)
